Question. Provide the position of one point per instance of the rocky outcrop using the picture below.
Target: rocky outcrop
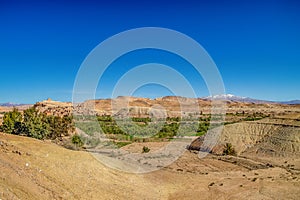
(55, 108)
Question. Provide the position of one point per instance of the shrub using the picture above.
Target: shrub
(36, 124)
(121, 144)
(59, 126)
(145, 149)
(12, 122)
(229, 150)
(77, 140)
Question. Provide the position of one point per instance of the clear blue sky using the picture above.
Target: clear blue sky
(255, 44)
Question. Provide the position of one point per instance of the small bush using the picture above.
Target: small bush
(145, 149)
(121, 144)
(77, 140)
(229, 150)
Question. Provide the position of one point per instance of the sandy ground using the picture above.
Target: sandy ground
(32, 169)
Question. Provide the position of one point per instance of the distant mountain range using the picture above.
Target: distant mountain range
(228, 97)
(291, 102)
(9, 104)
(231, 97)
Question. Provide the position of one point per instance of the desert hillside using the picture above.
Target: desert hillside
(33, 169)
(172, 105)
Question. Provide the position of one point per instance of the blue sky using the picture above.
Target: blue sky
(255, 45)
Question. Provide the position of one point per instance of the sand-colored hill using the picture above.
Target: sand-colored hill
(174, 105)
(32, 169)
(279, 138)
(275, 142)
(142, 107)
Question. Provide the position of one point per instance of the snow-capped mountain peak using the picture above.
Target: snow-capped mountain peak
(225, 97)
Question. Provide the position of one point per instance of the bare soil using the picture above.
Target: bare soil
(33, 169)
